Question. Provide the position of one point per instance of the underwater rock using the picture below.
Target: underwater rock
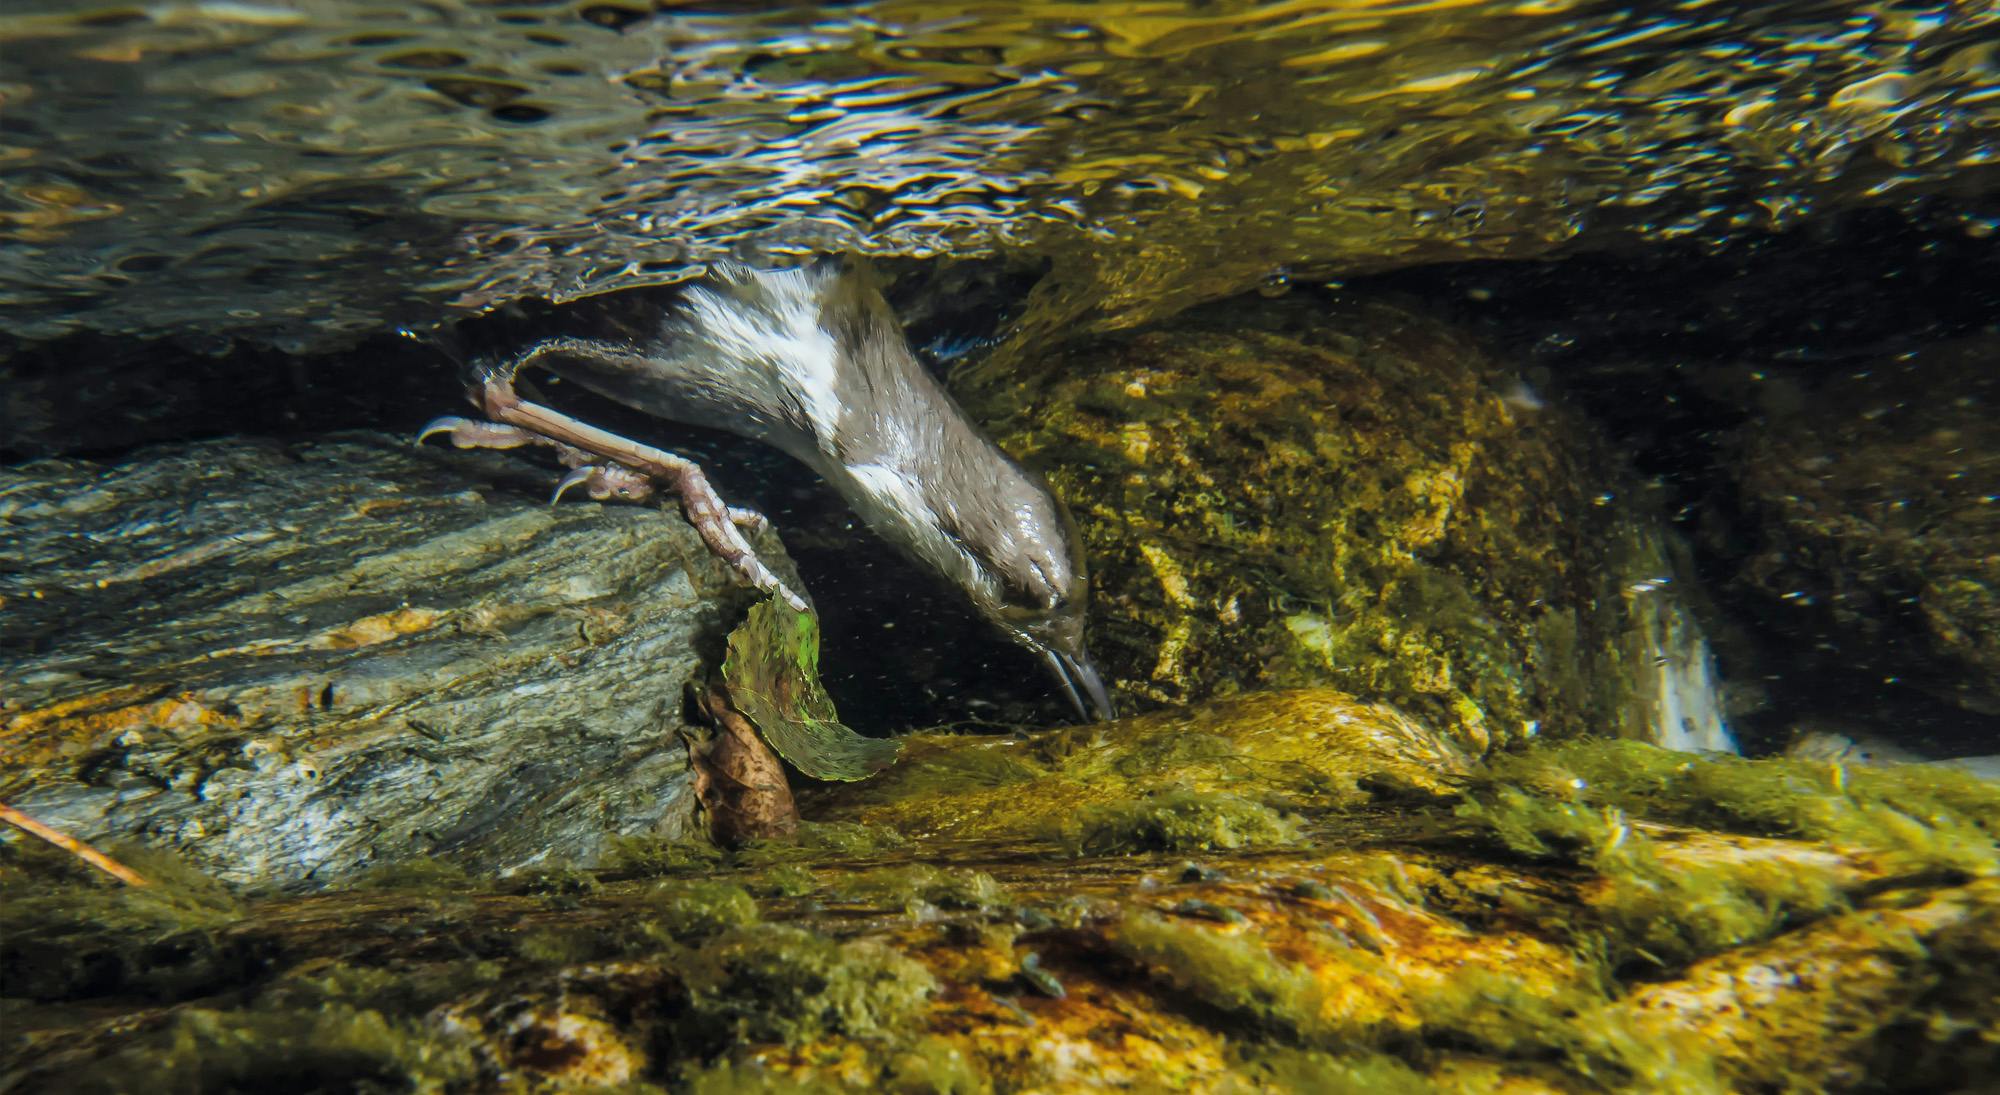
(1213, 776)
(1833, 746)
(296, 661)
(1578, 917)
(1873, 499)
(1321, 490)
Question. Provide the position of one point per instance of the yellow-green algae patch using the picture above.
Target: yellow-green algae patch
(834, 840)
(787, 985)
(704, 908)
(1238, 974)
(1244, 760)
(1920, 816)
(918, 886)
(671, 910)
(1901, 995)
(1179, 821)
(1668, 897)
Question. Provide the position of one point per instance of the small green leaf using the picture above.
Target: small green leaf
(772, 671)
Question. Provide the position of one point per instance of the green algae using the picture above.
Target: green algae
(933, 1066)
(777, 983)
(1576, 802)
(988, 766)
(1575, 1028)
(673, 911)
(1671, 915)
(831, 841)
(559, 881)
(413, 991)
(1308, 751)
(650, 856)
(1920, 816)
(786, 880)
(734, 1078)
(332, 1049)
(575, 945)
(926, 1066)
(1296, 1016)
(1184, 821)
(1948, 1039)
(419, 875)
(65, 937)
(1665, 914)
(822, 840)
(690, 909)
(920, 885)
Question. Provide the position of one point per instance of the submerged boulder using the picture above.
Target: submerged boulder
(295, 661)
(1327, 491)
(1872, 506)
(1319, 898)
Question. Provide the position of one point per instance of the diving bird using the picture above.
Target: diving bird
(812, 361)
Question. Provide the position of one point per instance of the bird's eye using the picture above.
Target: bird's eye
(1024, 599)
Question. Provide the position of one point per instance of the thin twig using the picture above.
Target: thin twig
(74, 847)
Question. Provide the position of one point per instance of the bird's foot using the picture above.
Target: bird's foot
(608, 466)
(601, 480)
(604, 482)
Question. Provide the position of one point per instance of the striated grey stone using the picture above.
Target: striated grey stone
(297, 661)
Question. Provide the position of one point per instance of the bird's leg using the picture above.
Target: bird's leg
(602, 481)
(608, 465)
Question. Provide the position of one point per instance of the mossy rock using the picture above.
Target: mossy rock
(1215, 776)
(1324, 491)
(1583, 916)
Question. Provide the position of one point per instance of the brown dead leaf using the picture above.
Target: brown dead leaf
(737, 778)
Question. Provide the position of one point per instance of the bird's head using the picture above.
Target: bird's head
(993, 528)
(1019, 558)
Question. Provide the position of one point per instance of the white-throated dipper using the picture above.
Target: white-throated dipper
(812, 361)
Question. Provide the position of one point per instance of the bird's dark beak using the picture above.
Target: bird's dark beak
(1085, 688)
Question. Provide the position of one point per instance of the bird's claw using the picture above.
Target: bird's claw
(467, 433)
(604, 482)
